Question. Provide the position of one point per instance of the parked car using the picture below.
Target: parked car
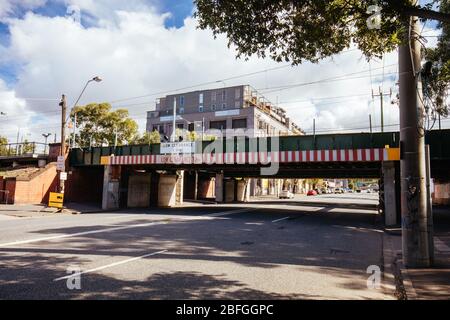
(286, 194)
(338, 191)
(312, 193)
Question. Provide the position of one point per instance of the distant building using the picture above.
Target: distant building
(237, 107)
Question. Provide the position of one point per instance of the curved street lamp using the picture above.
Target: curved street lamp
(46, 135)
(94, 79)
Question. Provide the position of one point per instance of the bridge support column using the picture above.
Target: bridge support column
(390, 201)
(230, 187)
(167, 190)
(179, 187)
(111, 182)
(219, 187)
(243, 190)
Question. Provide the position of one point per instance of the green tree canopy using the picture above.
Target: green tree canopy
(297, 30)
(148, 138)
(436, 84)
(3, 147)
(98, 124)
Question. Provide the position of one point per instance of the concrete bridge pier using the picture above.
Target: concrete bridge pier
(111, 184)
(219, 187)
(170, 189)
(390, 199)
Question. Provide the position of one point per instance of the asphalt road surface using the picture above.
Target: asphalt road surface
(305, 248)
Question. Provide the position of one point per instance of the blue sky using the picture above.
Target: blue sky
(179, 9)
(139, 52)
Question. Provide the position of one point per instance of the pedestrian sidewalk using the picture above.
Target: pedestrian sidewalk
(426, 283)
(39, 210)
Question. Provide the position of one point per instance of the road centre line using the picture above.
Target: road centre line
(14, 243)
(225, 213)
(278, 220)
(9, 244)
(110, 265)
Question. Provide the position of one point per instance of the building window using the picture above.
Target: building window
(224, 106)
(213, 107)
(182, 101)
(181, 111)
(219, 125)
(224, 95)
(240, 123)
(200, 98)
(214, 96)
(237, 93)
(237, 104)
(200, 108)
(180, 126)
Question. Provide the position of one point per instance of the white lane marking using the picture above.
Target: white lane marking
(110, 265)
(225, 213)
(278, 220)
(9, 244)
(441, 245)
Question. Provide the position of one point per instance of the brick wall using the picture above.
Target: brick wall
(441, 194)
(2, 187)
(36, 189)
(10, 186)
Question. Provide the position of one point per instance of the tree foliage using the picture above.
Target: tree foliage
(303, 30)
(3, 147)
(436, 83)
(98, 125)
(148, 138)
(298, 30)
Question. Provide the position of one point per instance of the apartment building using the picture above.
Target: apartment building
(237, 107)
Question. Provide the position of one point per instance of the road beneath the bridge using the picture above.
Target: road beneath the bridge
(304, 248)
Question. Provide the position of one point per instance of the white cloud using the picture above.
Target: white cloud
(7, 7)
(136, 55)
(17, 118)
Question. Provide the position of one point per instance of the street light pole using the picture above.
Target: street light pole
(174, 119)
(46, 135)
(96, 79)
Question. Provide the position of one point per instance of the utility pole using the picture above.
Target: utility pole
(415, 224)
(382, 95)
(370, 123)
(174, 121)
(63, 105)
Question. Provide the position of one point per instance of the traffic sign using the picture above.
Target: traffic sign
(60, 164)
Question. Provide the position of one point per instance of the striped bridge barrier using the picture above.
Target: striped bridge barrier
(242, 158)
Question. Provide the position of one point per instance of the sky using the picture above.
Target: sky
(144, 49)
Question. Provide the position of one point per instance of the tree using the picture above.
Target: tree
(436, 78)
(27, 147)
(298, 30)
(99, 125)
(148, 138)
(3, 146)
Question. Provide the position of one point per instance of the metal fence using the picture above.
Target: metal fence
(23, 149)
